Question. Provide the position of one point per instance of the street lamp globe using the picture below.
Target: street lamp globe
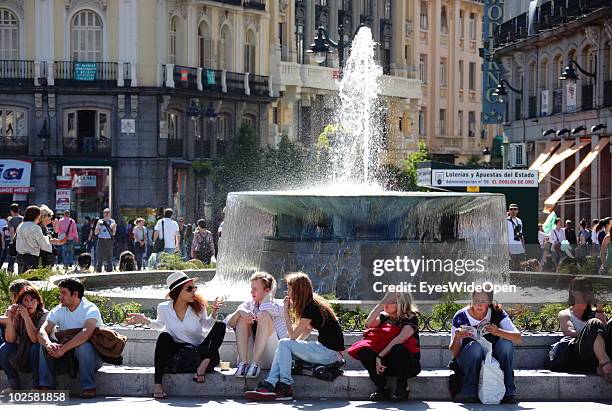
(486, 155)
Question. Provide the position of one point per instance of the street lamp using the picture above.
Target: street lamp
(486, 155)
(578, 130)
(549, 132)
(598, 127)
(501, 90)
(569, 73)
(323, 44)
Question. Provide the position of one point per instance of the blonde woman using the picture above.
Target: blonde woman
(310, 311)
(390, 345)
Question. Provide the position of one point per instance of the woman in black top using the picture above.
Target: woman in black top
(310, 311)
(390, 345)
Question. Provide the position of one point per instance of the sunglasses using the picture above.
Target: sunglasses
(513, 209)
(191, 288)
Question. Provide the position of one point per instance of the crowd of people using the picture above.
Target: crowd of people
(39, 238)
(273, 333)
(560, 244)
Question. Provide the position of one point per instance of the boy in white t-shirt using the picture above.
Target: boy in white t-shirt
(74, 311)
(262, 319)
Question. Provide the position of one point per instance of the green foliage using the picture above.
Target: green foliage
(442, 313)
(410, 166)
(6, 279)
(175, 262)
(113, 313)
(40, 274)
(589, 265)
(202, 168)
(50, 295)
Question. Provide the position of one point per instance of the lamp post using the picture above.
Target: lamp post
(486, 156)
(505, 155)
(324, 45)
(570, 74)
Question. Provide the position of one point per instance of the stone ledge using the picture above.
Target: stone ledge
(430, 384)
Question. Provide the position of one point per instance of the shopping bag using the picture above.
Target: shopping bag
(491, 387)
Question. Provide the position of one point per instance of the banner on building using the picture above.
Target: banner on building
(427, 177)
(83, 180)
(571, 96)
(15, 176)
(62, 199)
(544, 103)
(492, 71)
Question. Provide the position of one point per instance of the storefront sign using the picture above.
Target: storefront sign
(80, 181)
(492, 71)
(62, 199)
(64, 182)
(571, 96)
(15, 176)
(85, 71)
(424, 177)
(484, 178)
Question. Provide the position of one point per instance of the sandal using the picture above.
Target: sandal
(600, 371)
(160, 395)
(199, 378)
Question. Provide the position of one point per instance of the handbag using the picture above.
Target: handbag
(203, 250)
(160, 242)
(11, 250)
(558, 355)
(186, 360)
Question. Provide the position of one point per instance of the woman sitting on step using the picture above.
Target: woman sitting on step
(309, 312)
(187, 328)
(468, 354)
(259, 321)
(391, 342)
(587, 342)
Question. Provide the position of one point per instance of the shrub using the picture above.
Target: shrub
(442, 313)
(40, 274)
(113, 313)
(175, 262)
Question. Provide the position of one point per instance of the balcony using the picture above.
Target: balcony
(235, 82)
(174, 148)
(14, 145)
(533, 112)
(98, 74)
(185, 77)
(258, 85)
(16, 72)
(87, 146)
(255, 5)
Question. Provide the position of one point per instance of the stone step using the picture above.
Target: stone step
(430, 384)
(434, 349)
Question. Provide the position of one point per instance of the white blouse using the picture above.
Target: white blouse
(192, 330)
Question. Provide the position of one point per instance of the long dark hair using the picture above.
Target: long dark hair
(603, 223)
(199, 302)
(583, 286)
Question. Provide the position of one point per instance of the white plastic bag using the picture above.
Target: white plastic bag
(491, 387)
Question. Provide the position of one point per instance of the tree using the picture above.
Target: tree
(410, 166)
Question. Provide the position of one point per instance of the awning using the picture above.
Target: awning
(567, 149)
(550, 202)
(544, 155)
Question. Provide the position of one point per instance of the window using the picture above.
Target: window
(347, 4)
(86, 36)
(172, 45)
(442, 122)
(422, 122)
(172, 120)
(460, 123)
(225, 49)
(544, 74)
(249, 120)
(387, 11)
(423, 69)
(532, 79)
(205, 46)
(472, 78)
(249, 53)
(12, 123)
(557, 71)
(223, 130)
(472, 26)
(443, 21)
(461, 75)
(443, 71)
(87, 131)
(424, 16)
(471, 124)
(9, 35)
(461, 24)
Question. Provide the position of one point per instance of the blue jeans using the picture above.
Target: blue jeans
(89, 362)
(309, 351)
(470, 360)
(6, 350)
(67, 251)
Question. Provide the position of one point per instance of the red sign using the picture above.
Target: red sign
(184, 75)
(63, 182)
(336, 74)
(16, 190)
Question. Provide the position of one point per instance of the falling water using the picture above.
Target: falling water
(356, 145)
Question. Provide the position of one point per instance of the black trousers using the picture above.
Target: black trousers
(399, 362)
(581, 354)
(26, 262)
(166, 347)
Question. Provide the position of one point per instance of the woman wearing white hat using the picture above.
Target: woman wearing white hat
(184, 320)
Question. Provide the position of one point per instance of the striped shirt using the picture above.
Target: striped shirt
(274, 309)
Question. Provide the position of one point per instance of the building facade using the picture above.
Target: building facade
(102, 93)
(307, 90)
(558, 122)
(443, 47)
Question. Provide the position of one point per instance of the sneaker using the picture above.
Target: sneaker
(263, 392)
(241, 370)
(509, 399)
(284, 392)
(253, 371)
(380, 395)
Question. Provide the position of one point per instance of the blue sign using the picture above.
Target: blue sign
(85, 71)
(210, 77)
(492, 71)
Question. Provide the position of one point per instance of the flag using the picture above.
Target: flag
(549, 224)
